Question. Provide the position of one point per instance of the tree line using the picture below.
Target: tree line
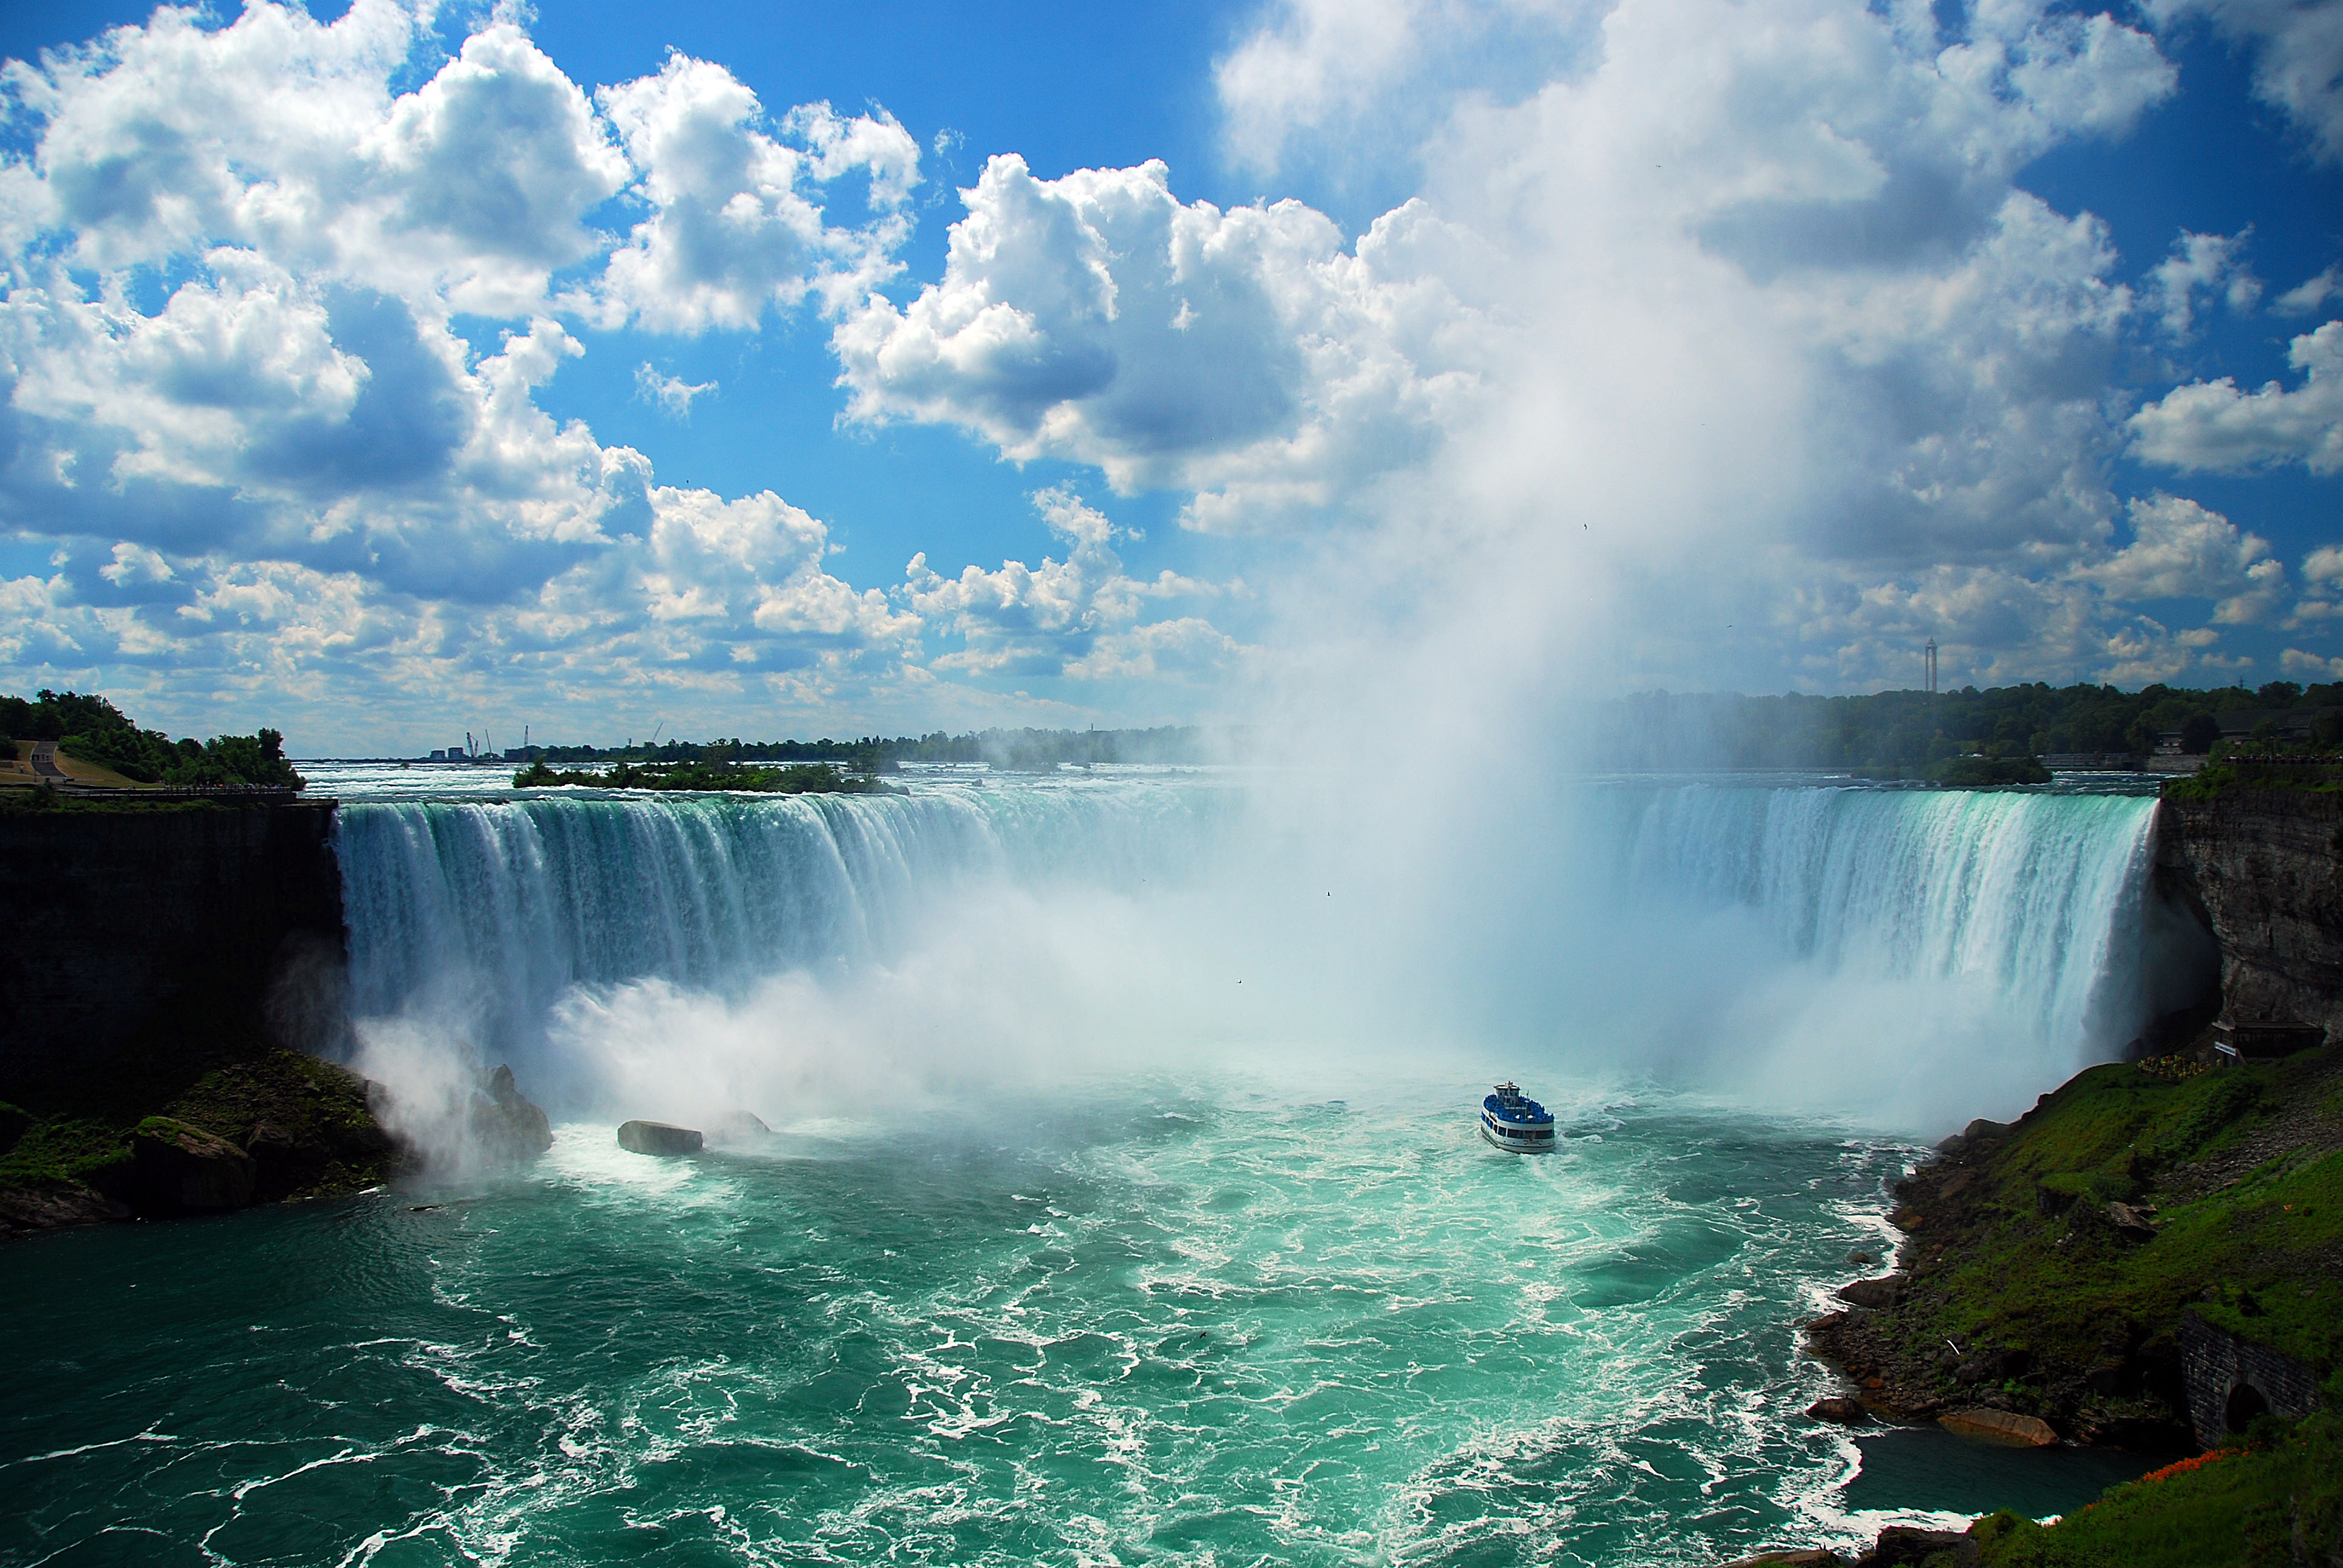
(1916, 732)
(1016, 750)
(89, 728)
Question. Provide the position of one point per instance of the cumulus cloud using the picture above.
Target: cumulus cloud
(1098, 319)
(735, 221)
(2211, 425)
(1077, 617)
(1746, 280)
(2201, 263)
(2297, 50)
(293, 466)
(2180, 550)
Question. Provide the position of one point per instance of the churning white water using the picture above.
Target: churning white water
(1856, 948)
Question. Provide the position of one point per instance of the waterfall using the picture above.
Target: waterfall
(2045, 899)
(1906, 947)
(485, 912)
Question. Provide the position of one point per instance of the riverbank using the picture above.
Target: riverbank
(2152, 1257)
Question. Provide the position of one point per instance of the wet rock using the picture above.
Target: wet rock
(183, 1169)
(506, 1126)
(1999, 1426)
(282, 1164)
(658, 1138)
(1884, 1291)
(1840, 1408)
(1902, 1546)
(739, 1129)
(23, 1209)
(1791, 1557)
(2112, 1378)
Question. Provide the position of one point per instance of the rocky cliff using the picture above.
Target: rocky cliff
(134, 940)
(2262, 864)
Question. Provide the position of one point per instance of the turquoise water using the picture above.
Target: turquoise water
(1199, 1323)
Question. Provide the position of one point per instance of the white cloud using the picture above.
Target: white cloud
(1079, 617)
(672, 393)
(2318, 666)
(2297, 50)
(2180, 550)
(1096, 318)
(734, 224)
(2211, 425)
(293, 472)
(2310, 294)
(2201, 263)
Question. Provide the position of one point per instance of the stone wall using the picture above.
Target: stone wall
(2216, 1365)
(126, 937)
(2263, 866)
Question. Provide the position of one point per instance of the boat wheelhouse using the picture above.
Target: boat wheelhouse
(1511, 1119)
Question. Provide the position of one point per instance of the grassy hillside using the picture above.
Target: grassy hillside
(2025, 1288)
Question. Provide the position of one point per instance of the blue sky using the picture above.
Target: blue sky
(381, 372)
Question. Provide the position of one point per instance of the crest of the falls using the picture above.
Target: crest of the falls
(1707, 931)
(2043, 898)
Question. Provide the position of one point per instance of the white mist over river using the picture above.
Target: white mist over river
(1901, 959)
(1124, 1203)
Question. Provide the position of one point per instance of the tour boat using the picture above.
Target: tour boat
(1511, 1119)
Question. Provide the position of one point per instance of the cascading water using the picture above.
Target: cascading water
(2042, 897)
(2010, 925)
(485, 912)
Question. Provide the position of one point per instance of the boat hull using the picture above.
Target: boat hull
(1534, 1139)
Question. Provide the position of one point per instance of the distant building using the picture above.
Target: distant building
(439, 757)
(2288, 723)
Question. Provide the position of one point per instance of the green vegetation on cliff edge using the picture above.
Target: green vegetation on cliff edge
(2016, 1264)
(804, 778)
(93, 729)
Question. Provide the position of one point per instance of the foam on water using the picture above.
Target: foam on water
(1194, 1322)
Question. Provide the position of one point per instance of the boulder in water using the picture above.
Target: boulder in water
(658, 1138)
(1839, 1408)
(505, 1125)
(739, 1129)
(1999, 1426)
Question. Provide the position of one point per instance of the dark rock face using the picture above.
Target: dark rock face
(2263, 868)
(658, 1138)
(24, 1211)
(1901, 1546)
(186, 1170)
(2230, 1382)
(1840, 1408)
(146, 934)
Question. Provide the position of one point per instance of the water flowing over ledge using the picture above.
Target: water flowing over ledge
(2046, 897)
(497, 907)
(2030, 914)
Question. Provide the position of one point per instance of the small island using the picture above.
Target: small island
(796, 779)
